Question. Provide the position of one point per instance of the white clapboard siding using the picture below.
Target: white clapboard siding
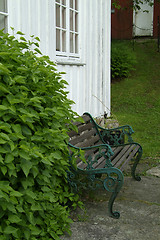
(89, 81)
(34, 17)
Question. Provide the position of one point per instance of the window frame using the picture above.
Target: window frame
(68, 54)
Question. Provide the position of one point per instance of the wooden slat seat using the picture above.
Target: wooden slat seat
(105, 153)
(122, 155)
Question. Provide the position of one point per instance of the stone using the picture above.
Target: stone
(107, 122)
(155, 171)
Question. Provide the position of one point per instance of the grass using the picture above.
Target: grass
(136, 99)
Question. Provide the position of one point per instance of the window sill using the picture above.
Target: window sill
(70, 63)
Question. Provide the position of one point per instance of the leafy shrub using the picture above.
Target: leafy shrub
(122, 60)
(34, 112)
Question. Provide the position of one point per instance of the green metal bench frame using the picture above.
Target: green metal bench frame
(107, 152)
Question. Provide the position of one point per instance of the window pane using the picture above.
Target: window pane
(76, 4)
(57, 15)
(71, 20)
(63, 17)
(64, 2)
(76, 22)
(2, 17)
(76, 43)
(63, 41)
(2, 6)
(2, 22)
(71, 43)
(58, 40)
(71, 3)
(58, 1)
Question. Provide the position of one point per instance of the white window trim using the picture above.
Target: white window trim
(70, 63)
(4, 14)
(67, 58)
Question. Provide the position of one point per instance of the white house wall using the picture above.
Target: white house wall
(89, 81)
(34, 17)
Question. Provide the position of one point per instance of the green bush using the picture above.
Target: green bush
(122, 60)
(34, 115)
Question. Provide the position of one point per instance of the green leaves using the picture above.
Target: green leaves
(26, 166)
(122, 61)
(16, 194)
(3, 89)
(34, 116)
(14, 218)
(20, 33)
(10, 230)
(3, 70)
(37, 50)
(9, 158)
(3, 108)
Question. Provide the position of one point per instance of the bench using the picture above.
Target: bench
(107, 152)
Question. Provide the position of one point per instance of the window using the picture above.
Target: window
(3, 13)
(67, 29)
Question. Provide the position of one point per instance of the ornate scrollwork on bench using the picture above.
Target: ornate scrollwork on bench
(106, 152)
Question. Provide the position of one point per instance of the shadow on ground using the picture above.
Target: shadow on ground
(138, 204)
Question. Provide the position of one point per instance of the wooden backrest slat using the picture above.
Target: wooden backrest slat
(85, 118)
(91, 142)
(83, 137)
(81, 128)
(72, 134)
(87, 136)
(84, 127)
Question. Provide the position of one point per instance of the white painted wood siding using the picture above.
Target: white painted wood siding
(34, 17)
(89, 80)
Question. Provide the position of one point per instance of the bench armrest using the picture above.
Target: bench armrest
(116, 136)
(95, 146)
(104, 150)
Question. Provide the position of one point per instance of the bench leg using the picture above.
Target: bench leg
(115, 214)
(113, 185)
(133, 171)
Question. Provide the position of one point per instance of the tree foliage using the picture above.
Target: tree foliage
(135, 4)
(35, 115)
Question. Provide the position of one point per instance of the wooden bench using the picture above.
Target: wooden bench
(107, 152)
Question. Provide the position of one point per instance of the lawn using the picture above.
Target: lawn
(136, 99)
